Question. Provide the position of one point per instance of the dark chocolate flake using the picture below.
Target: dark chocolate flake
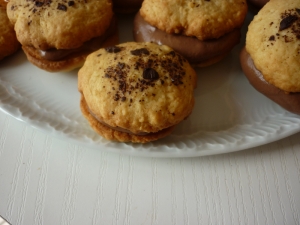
(61, 7)
(71, 3)
(48, 2)
(298, 11)
(121, 65)
(287, 22)
(140, 51)
(150, 74)
(272, 38)
(116, 97)
(113, 49)
(172, 53)
(39, 4)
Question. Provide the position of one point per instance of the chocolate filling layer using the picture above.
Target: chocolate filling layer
(127, 4)
(289, 101)
(194, 50)
(259, 3)
(140, 133)
(87, 47)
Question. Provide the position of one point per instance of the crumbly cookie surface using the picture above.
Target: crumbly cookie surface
(273, 41)
(46, 24)
(200, 18)
(141, 87)
(8, 40)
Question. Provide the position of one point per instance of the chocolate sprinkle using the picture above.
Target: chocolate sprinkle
(71, 3)
(124, 86)
(62, 7)
(113, 49)
(140, 51)
(287, 22)
(150, 74)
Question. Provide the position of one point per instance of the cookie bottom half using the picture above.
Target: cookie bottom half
(115, 135)
(288, 101)
(67, 64)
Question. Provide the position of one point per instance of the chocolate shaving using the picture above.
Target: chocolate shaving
(113, 49)
(62, 7)
(150, 74)
(287, 22)
(39, 4)
(272, 38)
(71, 3)
(140, 51)
(126, 86)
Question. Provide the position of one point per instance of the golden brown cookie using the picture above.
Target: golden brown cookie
(271, 58)
(197, 18)
(8, 41)
(136, 92)
(273, 41)
(57, 35)
(202, 31)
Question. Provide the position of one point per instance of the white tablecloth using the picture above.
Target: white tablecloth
(44, 180)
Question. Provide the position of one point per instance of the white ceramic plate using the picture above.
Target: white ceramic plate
(229, 114)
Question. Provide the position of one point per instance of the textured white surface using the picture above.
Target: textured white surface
(44, 180)
(229, 114)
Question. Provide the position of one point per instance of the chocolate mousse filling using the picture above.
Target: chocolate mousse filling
(140, 133)
(194, 50)
(87, 47)
(121, 5)
(289, 101)
(259, 3)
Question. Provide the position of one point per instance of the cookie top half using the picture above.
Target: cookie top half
(8, 40)
(138, 86)
(273, 41)
(60, 24)
(204, 19)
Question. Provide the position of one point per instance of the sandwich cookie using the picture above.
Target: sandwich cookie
(8, 40)
(136, 92)
(202, 31)
(271, 57)
(57, 35)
